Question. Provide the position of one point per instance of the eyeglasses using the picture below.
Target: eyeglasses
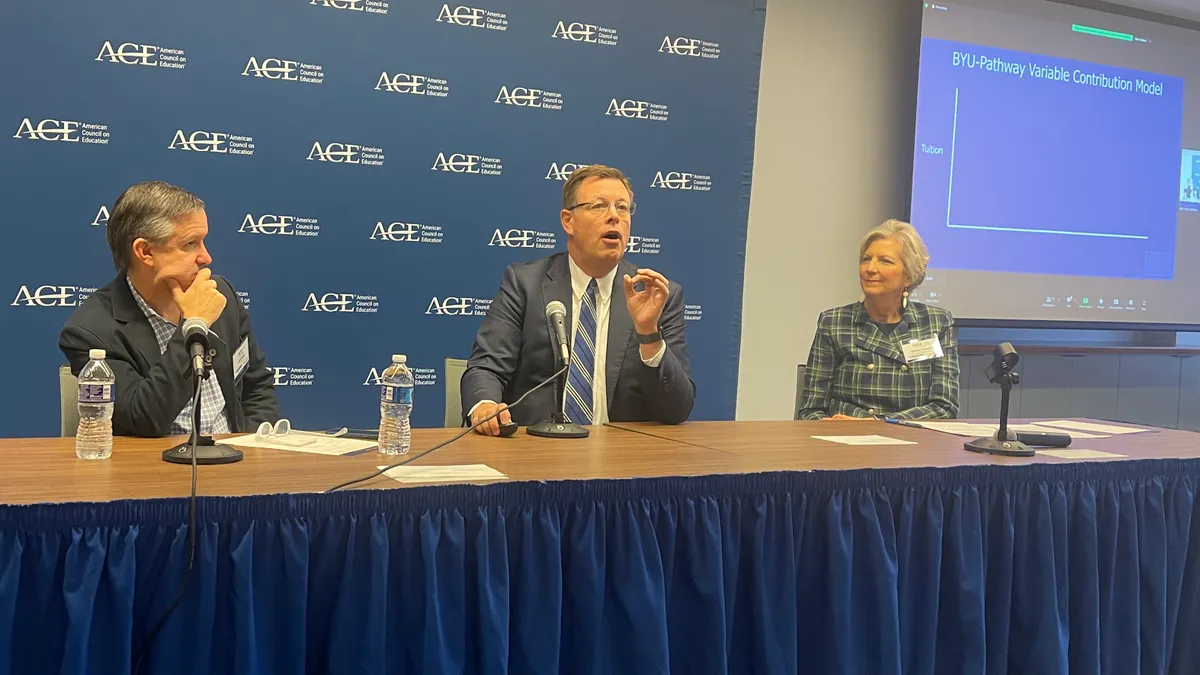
(282, 432)
(624, 210)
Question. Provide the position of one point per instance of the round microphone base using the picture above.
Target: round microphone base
(557, 430)
(207, 452)
(993, 446)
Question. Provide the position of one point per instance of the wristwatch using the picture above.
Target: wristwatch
(650, 339)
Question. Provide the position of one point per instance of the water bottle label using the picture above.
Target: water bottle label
(390, 394)
(95, 393)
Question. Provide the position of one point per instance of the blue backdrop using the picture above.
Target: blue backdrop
(369, 169)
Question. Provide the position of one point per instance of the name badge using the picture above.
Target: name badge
(241, 359)
(922, 350)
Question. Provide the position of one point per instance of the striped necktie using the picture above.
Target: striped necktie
(583, 361)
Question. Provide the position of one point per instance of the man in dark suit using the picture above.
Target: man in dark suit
(156, 234)
(629, 357)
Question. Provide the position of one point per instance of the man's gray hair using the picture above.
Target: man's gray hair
(147, 211)
(913, 254)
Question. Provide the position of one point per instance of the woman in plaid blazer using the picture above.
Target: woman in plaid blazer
(857, 366)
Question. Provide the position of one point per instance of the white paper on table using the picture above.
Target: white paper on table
(987, 430)
(1088, 426)
(864, 440)
(1080, 454)
(316, 444)
(959, 428)
(443, 474)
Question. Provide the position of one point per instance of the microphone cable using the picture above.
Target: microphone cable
(191, 540)
(413, 458)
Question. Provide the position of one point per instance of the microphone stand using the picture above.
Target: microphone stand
(201, 449)
(1004, 442)
(558, 426)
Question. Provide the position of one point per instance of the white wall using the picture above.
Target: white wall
(832, 159)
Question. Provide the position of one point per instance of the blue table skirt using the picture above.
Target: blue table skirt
(1040, 570)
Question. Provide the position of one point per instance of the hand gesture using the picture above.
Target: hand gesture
(646, 306)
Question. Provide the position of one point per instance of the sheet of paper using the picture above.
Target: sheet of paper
(980, 430)
(959, 428)
(461, 473)
(864, 440)
(1089, 426)
(1080, 454)
(320, 445)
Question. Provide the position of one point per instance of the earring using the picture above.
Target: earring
(904, 302)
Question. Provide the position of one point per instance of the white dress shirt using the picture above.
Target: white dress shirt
(604, 289)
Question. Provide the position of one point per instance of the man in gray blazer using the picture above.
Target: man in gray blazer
(629, 358)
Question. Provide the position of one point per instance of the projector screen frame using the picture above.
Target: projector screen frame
(1061, 324)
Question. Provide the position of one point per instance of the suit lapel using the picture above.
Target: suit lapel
(137, 326)
(557, 286)
(620, 332)
(868, 336)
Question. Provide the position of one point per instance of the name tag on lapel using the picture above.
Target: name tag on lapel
(922, 350)
(241, 359)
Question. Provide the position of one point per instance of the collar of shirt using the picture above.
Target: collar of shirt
(863, 318)
(580, 281)
(163, 329)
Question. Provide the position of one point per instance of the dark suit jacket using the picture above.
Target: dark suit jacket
(152, 388)
(515, 350)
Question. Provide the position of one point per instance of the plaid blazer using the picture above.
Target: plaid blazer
(856, 370)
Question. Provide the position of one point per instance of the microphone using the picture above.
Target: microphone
(1044, 439)
(556, 314)
(195, 337)
(558, 426)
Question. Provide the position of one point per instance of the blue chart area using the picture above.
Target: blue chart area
(1027, 163)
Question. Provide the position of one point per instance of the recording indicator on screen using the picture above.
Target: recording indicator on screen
(1105, 33)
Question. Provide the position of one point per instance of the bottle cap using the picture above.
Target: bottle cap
(399, 358)
(96, 354)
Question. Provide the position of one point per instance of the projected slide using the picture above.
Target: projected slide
(1035, 164)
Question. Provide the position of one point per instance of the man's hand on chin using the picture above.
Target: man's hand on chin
(201, 300)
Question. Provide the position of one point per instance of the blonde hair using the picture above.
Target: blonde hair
(571, 187)
(913, 254)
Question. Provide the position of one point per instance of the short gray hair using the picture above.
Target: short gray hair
(147, 211)
(913, 254)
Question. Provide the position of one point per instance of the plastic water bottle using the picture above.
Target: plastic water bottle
(93, 436)
(395, 406)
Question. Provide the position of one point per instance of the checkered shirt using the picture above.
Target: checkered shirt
(855, 369)
(212, 402)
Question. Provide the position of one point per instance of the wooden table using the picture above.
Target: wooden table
(790, 446)
(46, 470)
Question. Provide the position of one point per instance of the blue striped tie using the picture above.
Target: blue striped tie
(583, 361)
